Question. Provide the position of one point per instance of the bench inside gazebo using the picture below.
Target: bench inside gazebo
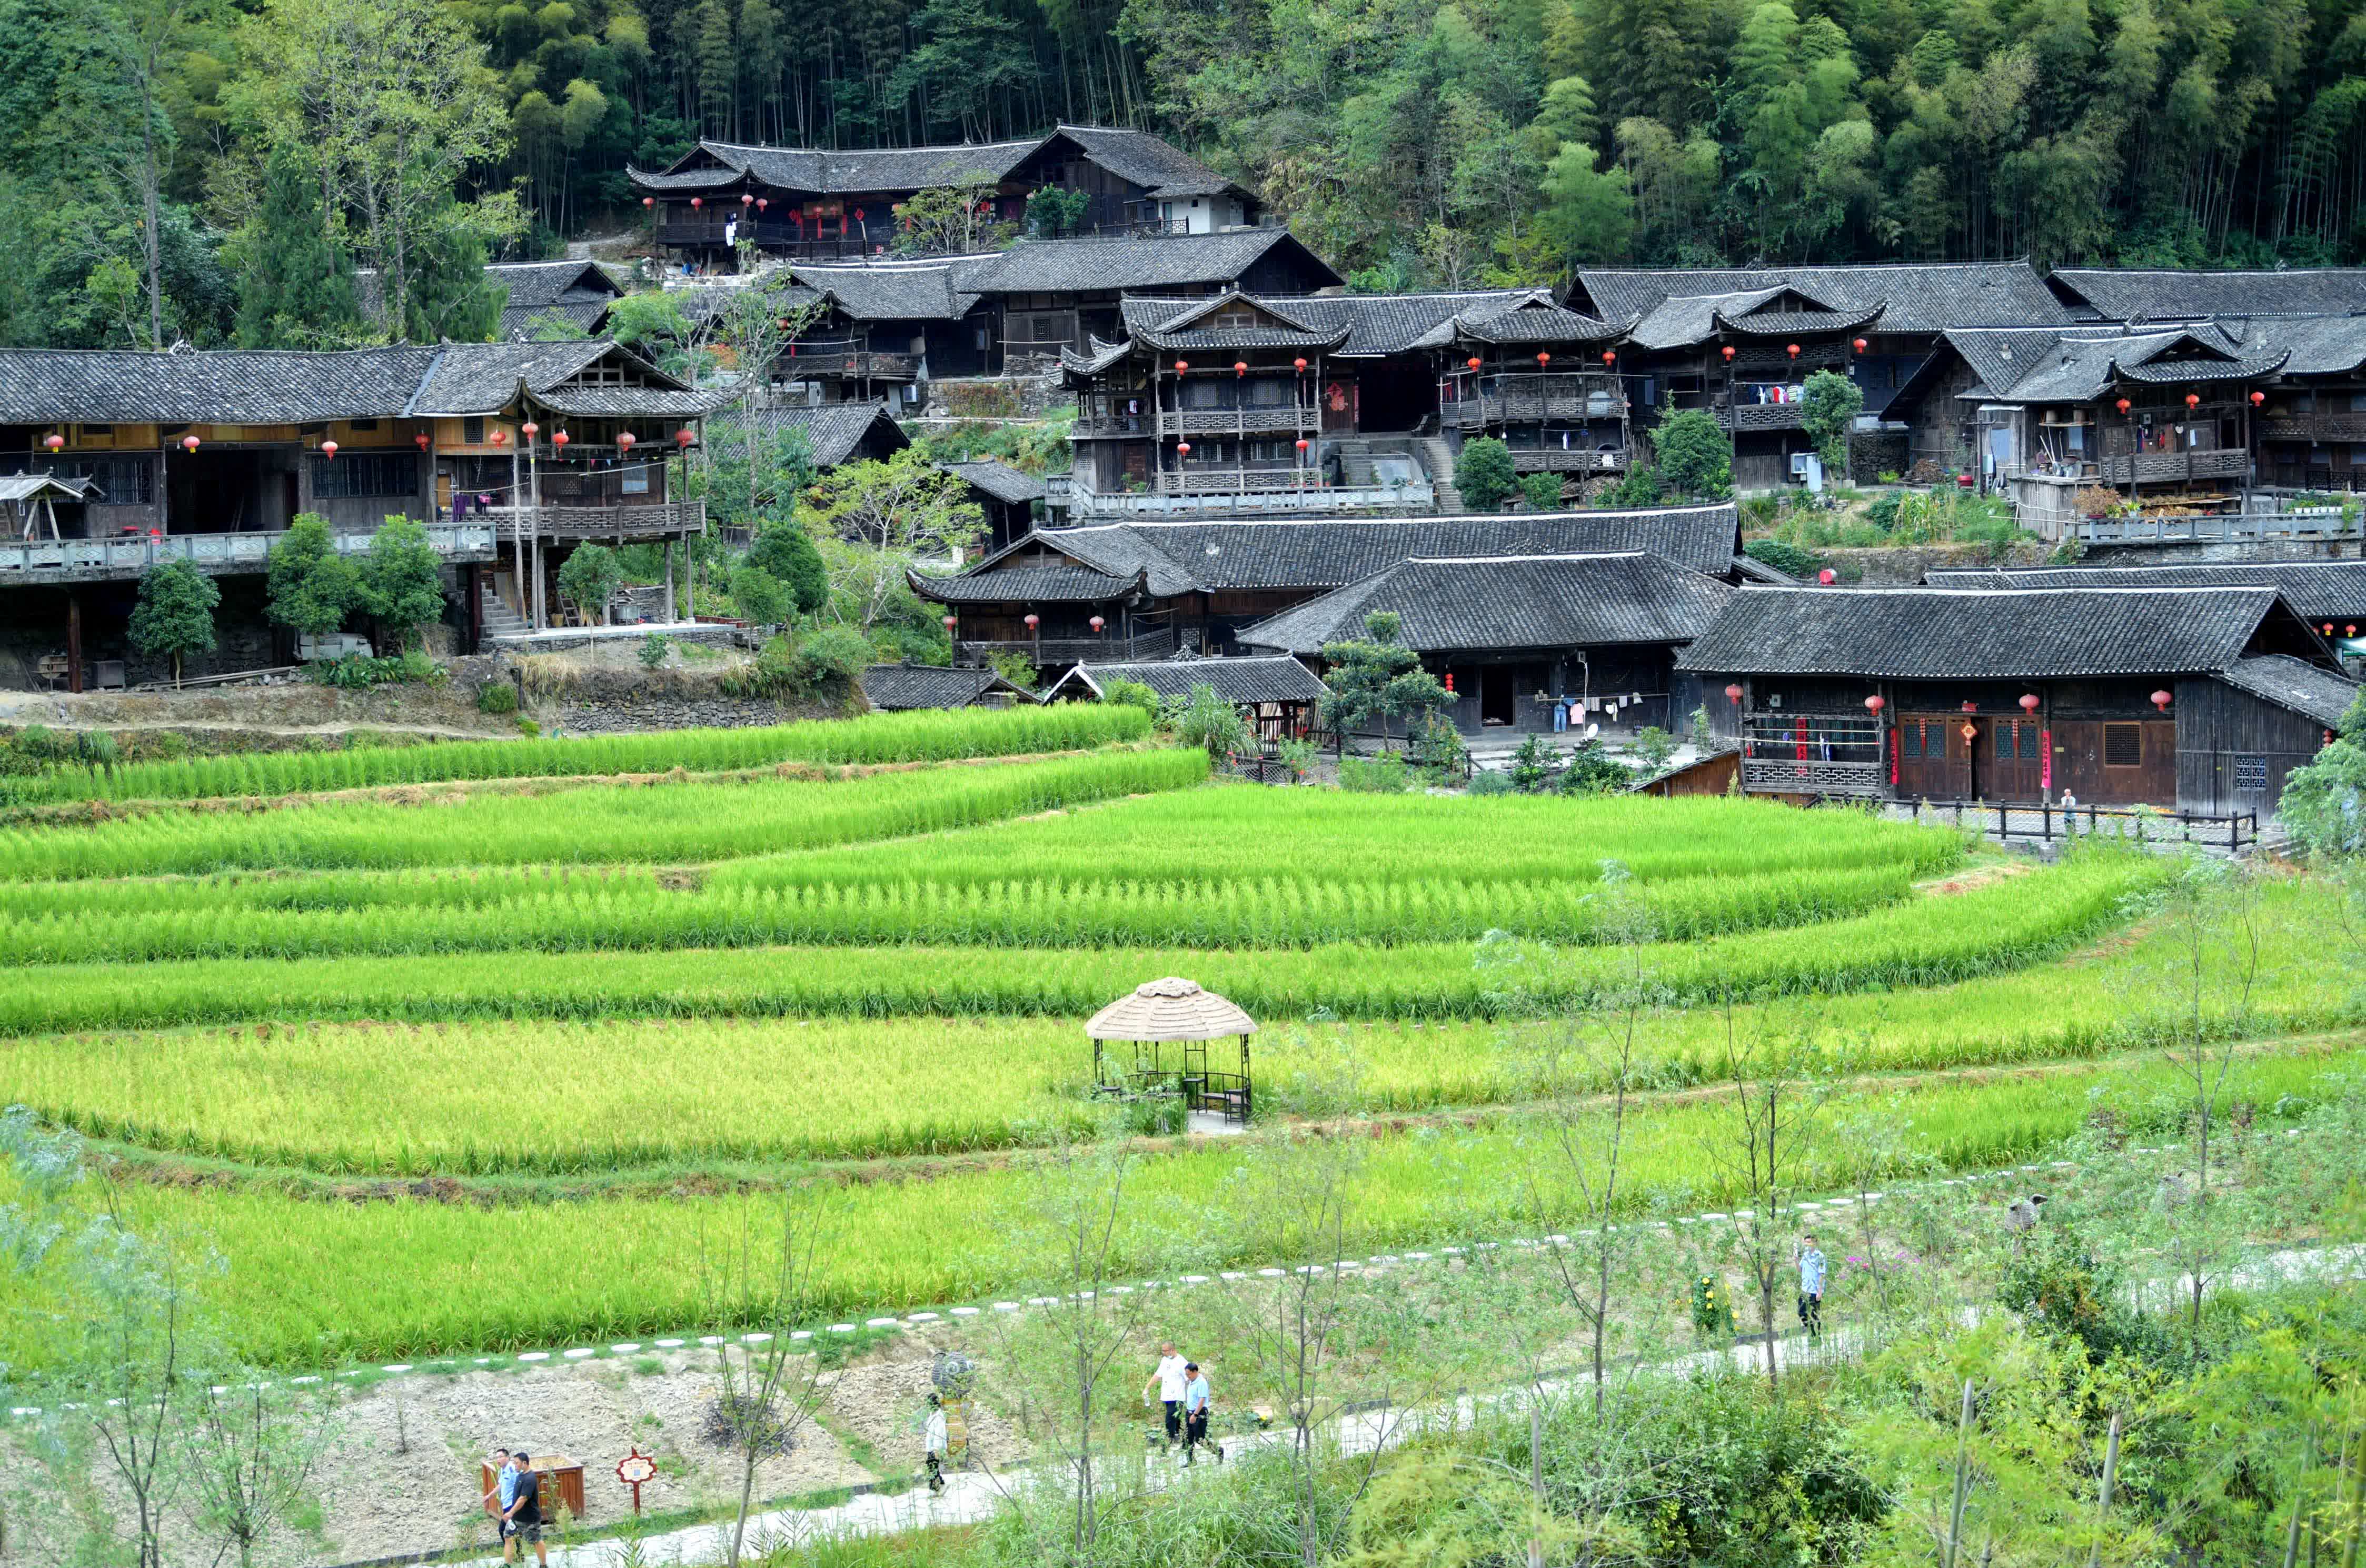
(1176, 1011)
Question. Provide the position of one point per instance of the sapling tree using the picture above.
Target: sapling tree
(1377, 677)
(311, 587)
(175, 614)
(253, 1450)
(401, 581)
(1757, 1145)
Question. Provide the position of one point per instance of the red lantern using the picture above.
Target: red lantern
(2193, 399)
(1971, 707)
(1543, 359)
(329, 449)
(1795, 350)
(2350, 630)
(1733, 695)
(1299, 366)
(1874, 704)
(420, 440)
(682, 438)
(624, 440)
(1473, 362)
(1860, 345)
(1095, 625)
(53, 440)
(648, 201)
(2160, 699)
(188, 444)
(1302, 443)
(950, 624)
(1728, 353)
(2029, 702)
(1182, 367)
(1182, 449)
(763, 202)
(747, 200)
(1240, 368)
(2257, 398)
(1827, 577)
(2329, 628)
(1450, 683)
(558, 440)
(501, 438)
(2124, 405)
(858, 214)
(530, 429)
(1032, 623)
(1609, 357)
(698, 201)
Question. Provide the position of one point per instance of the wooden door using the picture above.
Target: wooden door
(2014, 760)
(2116, 762)
(1931, 757)
(1340, 410)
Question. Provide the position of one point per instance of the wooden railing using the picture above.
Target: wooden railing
(1554, 460)
(69, 560)
(1106, 649)
(2162, 467)
(834, 362)
(2329, 424)
(1254, 420)
(604, 522)
(2224, 528)
(1758, 416)
(1237, 481)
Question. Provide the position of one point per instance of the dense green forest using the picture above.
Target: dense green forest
(211, 170)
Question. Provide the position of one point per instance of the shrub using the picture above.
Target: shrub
(759, 596)
(1296, 756)
(1131, 694)
(1019, 671)
(1883, 512)
(1788, 559)
(1487, 781)
(1207, 720)
(1641, 487)
(1532, 766)
(1694, 457)
(785, 553)
(1591, 771)
(830, 658)
(1655, 744)
(1483, 474)
(498, 697)
(1541, 491)
(654, 649)
(528, 728)
(589, 578)
(1383, 775)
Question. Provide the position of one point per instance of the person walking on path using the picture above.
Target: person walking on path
(1169, 1381)
(935, 1446)
(1811, 1287)
(1195, 1413)
(522, 1519)
(505, 1486)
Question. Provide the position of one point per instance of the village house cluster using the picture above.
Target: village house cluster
(1263, 460)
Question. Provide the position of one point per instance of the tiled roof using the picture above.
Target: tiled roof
(834, 432)
(628, 401)
(1029, 584)
(207, 386)
(892, 688)
(1526, 601)
(2319, 592)
(1914, 296)
(2139, 295)
(1136, 156)
(894, 291)
(1266, 678)
(1785, 323)
(1681, 319)
(1180, 325)
(2080, 366)
(1361, 325)
(1163, 169)
(999, 480)
(24, 486)
(2002, 634)
(1169, 261)
(2295, 684)
(1187, 558)
(2318, 345)
(1541, 323)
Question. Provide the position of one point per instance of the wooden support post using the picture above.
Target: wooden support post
(74, 642)
(673, 609)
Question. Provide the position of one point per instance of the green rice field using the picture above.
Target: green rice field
(718, 980)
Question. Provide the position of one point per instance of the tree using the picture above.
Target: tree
(1483, 475)
(252, 1448)
(1377, 677)
(1695, 459)
(1589, 213)
(954, 218)
(174, 616)
(760, 595)
(784, 551)
(1053, 210)
(1828, 411)
(589, 578)
(311, 588)
(295, 282)
(2323, 801)
(1541, 491)
(1758, 1145)
(885, 517)
(401, 580)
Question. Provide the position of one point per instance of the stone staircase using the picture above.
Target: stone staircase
(499, 619)
(1437, 459)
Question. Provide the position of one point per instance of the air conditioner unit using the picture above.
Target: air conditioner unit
(1799, 464)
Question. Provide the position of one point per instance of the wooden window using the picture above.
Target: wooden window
(2029, 740)
(368, 474)
(2251, 773)
(2122, 746)
(472, 431)
(1909, 740)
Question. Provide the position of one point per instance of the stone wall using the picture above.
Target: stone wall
(1873, 454)
(1015, 397)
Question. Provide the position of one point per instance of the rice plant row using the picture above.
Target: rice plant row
(589, 914)
(407, 1099)
(1239, 834)
(928, 735)
(1927, 941)
(307, 1282)
(660, 823)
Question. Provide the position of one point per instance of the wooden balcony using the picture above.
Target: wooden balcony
(2324, 425)
(1214, 481)
(663, 521)
(1554, 460)
(216, 554)
(1542, 396)
(1859, 780)
(834, 364)
(1758, 416)
(1272, 419)
(2174, 467)
(1105, 649)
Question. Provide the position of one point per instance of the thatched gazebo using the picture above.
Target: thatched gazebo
(1175, 1010)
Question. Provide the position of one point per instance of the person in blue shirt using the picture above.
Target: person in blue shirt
(1195, 1413)
(505, 1484)
(1811, 1286)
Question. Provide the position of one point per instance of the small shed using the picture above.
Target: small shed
(893, 688)
(1174, 1010)
(1004, 493)
(29, 502)
(1276, 693)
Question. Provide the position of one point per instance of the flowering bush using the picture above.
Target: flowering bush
(1712, 1306)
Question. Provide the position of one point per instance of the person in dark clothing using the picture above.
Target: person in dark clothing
(522, 1520)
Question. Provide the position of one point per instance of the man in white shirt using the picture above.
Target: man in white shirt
(1171, 1379)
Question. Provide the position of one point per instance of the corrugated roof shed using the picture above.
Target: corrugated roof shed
(1530, 601)
(2317, 590)
(1266, 678)
(1916, 296)
(2003, 634)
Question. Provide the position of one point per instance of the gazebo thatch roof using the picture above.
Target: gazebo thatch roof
(1169, 1009)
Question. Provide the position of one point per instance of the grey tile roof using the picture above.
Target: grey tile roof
(835, 431)
(1474, 604)
(1262, 678)
(1915, 297)
(893, 688)
(2319, 592)
(1163, 169)
(1168, 261)
(626, 402)
(1785, 323)
(1375, 324)
(2140, 295)
(2295, 684)
(2078, 365)
(894, 291)
(24, 486)
(481, 378)
(999, 480)
(1029, 585)
(202, 387)
(1532, 322)
(1944, 634)
(1189, 557)
(2318, 345)
(1136, 156)
(1680, 319)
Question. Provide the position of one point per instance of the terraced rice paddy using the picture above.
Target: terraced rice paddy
(716, 984)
